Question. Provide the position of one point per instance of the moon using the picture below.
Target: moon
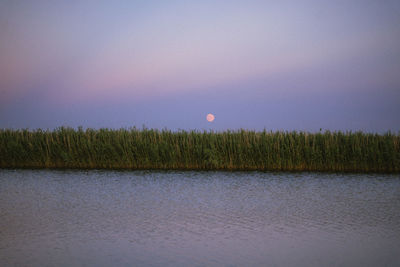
(210, 117)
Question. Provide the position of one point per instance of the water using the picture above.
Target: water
(149, 218)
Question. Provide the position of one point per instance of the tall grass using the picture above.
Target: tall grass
(229, 150)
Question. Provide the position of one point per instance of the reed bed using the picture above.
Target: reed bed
(230, 150)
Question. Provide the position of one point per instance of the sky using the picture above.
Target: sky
(276, 65)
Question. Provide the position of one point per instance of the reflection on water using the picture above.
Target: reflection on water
(148, 218)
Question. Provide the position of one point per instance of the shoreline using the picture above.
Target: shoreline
(241, 150)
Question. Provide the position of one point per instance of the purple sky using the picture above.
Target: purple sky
(278, 65)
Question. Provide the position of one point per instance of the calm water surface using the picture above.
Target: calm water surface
(149, 218)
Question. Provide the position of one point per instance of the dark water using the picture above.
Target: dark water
(111, 218)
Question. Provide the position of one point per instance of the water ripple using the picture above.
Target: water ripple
(102, 218)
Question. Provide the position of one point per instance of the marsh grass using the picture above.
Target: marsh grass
(229, 150)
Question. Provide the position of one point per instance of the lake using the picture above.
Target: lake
(173, 218)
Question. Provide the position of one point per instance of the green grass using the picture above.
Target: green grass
(229, 150)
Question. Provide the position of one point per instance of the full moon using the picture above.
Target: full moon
(210, 117)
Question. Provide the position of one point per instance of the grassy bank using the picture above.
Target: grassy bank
(230, 150)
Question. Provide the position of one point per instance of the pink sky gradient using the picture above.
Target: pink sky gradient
(127, 56)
